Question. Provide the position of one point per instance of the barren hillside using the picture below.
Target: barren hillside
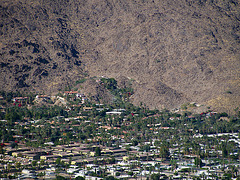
(173, 51)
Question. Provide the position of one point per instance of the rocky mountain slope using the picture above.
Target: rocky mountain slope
(172, 51)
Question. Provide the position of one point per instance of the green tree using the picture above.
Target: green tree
(42, 162)
(155, 176)
(130, 173)
(134, 142)
(79, 178)
(1, 150)
(58, 161)
(97, 151)
(18, 165)
(224, 151)
(34, 163)
(60, 178)
(164, 151)
(109, 178)
(9, 166)
(70, 161)
(233, 170)
(13, 145)
(198, 162)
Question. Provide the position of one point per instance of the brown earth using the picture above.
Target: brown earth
(172, 51)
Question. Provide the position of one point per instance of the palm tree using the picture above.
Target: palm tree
(233, 170)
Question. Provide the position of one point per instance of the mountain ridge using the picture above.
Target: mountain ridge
(175, 52)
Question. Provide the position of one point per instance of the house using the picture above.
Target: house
(165, 128)
(2, 109)
(113, 113)
(106, 127)
(92, 153)
(49, 143)
(49, 174)
(81, 173)
(63, 154)
(16, 154)
(79, 95)
(87, 108)
(35, 155)
(72, 170)
(119, 110)
(59, 148)
(47, 157)
(32, 156)
(76, 105)
(70, 93)
(42, 97)
(20, 99)
(224, 119)
(84, 100)
(27, 174)
(77, 162)
(101, 109)
(81, 151)
(114, 151)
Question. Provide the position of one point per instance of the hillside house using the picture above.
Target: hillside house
(20, 99)
(44, 97)
(66, 93)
